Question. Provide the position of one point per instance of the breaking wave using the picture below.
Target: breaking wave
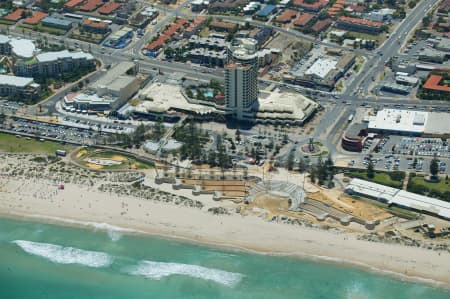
(65, 255)
(158, 270)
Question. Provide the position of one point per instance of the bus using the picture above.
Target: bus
(73, 16)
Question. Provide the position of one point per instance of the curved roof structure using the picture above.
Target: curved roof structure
(23, 48)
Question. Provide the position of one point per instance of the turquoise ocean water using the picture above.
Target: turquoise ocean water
(48, 261)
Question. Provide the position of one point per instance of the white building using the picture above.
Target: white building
(400, 198)
(109, 92)
(120, 82)
(18, 86)
(163, 99)
(21, 3)
(321, 67)
(410, 122)
(20, 48)
(383, 15)
(53, 63)
(406, 80)
(88, 101)
(285, 107)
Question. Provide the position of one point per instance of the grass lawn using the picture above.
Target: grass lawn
(88, 37)
(440, 186)
(321, 154)
(380, 178)
(42, 28)
(12, 144)
(6, 22)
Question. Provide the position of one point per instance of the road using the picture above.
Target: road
(390, 48)
(334, 119)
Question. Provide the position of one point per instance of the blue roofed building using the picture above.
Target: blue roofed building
(262, 35)
(266, 11)
(57, 23)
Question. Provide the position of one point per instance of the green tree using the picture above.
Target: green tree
(426, 21)
(302, 165)
(414, 164)
(138, 134)
(212, 158)
(434, 167)
(312, 174)
(290, 161)
(370, 170)
(238, 135)
(311, 144)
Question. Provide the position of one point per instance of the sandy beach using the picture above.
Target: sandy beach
(41, 199)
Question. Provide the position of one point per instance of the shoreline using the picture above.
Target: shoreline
(106, 227)
(105, 201)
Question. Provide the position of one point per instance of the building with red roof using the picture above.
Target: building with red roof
(108, 8)
(316, 6)
(322, 25)
(433, 84)
(91, 5)
(170, 31)
(35, 18)
(222, 26)
(95, 26)
(357, 8)
(359, 25)
(194, 27)
(304, 19)
(15, 15)
(286, 16)
(73, 3)
(336, 8)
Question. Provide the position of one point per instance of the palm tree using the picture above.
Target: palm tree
(311, 144)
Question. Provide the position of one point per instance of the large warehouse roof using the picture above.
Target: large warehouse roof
(64, 54)
(399, 120)
(400, 197)
(412, 121)
(321, 67)
(438, 123)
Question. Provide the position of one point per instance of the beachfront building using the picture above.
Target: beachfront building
(168, 100)
(323, 73)
(241, 89)
(241, 79)
(410, 122)
(108, 93)
(18, 47)
(13, 86)
(401, 198)
(53, 63)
